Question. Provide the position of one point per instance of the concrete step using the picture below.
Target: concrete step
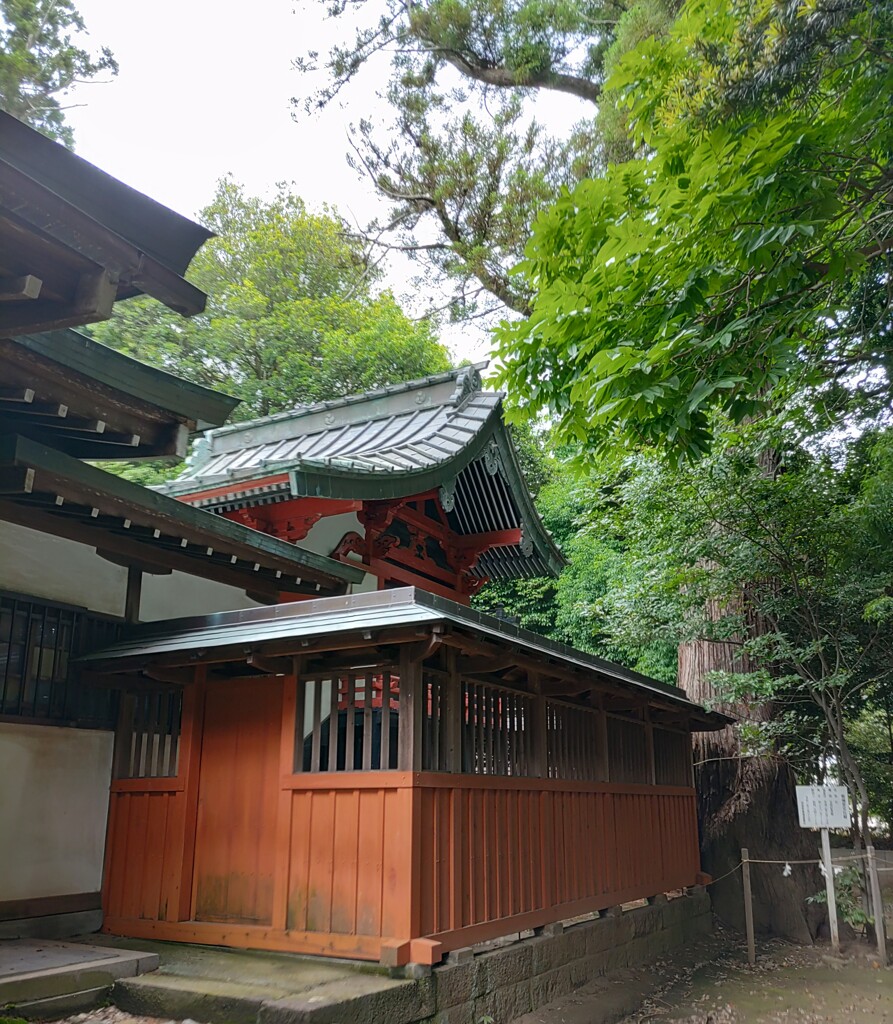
(358, 997)
(45, 978)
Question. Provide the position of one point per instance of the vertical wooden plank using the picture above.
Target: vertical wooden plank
(385, 759)
(436, 721)
(299, 860)
(349, 729)
(123, 757)
(115, 861)
(190, 755)
(458, 853)
(409, 741)
(370, 843)
(367, 722)
(287, 754)
(320, 878)
(316, 733)
(155, 733)
(539, 729)
(156, 829)
(453, 712)
(400, 845)
(650, 766)
(335, 684)
(345, 867)
(603, 770)
(300, 711)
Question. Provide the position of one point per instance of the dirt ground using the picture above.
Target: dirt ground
(788, 985)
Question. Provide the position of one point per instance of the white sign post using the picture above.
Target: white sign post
(825, 807)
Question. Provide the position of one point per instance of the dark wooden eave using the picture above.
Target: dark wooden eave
(48, 491)
(74, 240)
(68, 391)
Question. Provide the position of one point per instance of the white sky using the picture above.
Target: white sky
(204, 89)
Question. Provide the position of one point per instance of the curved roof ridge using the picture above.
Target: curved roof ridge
(309, 409)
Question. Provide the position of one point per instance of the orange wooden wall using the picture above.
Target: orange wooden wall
(364, 860)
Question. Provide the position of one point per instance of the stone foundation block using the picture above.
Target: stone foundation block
(601, 934)
(505, 967)
(457, 984)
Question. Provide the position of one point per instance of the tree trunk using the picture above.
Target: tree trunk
(748, 802)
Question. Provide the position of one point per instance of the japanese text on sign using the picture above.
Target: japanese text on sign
(823, 807)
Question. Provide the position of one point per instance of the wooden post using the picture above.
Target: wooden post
(748, 907)
(409, 738)
(133, 594)
(454, 713)
(829, 888)
(651, 765)
(540, 724)
(601, 747)
(877, 902)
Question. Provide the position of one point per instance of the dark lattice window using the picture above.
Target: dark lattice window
(39, 645)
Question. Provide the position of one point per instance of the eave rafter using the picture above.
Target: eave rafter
(45, 490)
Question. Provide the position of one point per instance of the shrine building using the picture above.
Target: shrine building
(418, 483)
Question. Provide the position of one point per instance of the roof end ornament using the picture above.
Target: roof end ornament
(468, 383)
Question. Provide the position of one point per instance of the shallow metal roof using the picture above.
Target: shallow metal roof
(248, 630)
(443, 432)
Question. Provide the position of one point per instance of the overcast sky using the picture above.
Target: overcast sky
(205, 89)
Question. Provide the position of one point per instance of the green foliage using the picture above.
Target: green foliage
(41, 58)
(468, 168)
(742, 258)
(576, 607)
(848, 894)
(291, 317)
(779, 554)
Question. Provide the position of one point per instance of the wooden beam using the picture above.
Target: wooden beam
(272, 666)
(474, 666)
(96, 293)
(60, 425)
(141, 553)
(47, 410)
(235, 653)
(173, 676)
(16, 480)
(20, 396)
(13, 289)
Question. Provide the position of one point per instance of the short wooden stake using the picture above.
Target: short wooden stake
(829, 888)
(877, 903)
(748, 907)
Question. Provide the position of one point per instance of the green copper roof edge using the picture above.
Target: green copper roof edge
(324, 481)
(30, 453)
(124, 373)
(548, 549)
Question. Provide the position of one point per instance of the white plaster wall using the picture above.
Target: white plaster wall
(55, 569)
(181, 594)
(54, 794)
(325, 536)
(61, 570)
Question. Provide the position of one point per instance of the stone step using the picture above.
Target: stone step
(46, 979)
(360, 998)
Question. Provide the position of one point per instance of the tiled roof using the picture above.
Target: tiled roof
(443, 432)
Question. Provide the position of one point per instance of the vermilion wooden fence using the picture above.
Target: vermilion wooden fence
(237, 848)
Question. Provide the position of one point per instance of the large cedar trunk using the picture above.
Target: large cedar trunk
(748, 802)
